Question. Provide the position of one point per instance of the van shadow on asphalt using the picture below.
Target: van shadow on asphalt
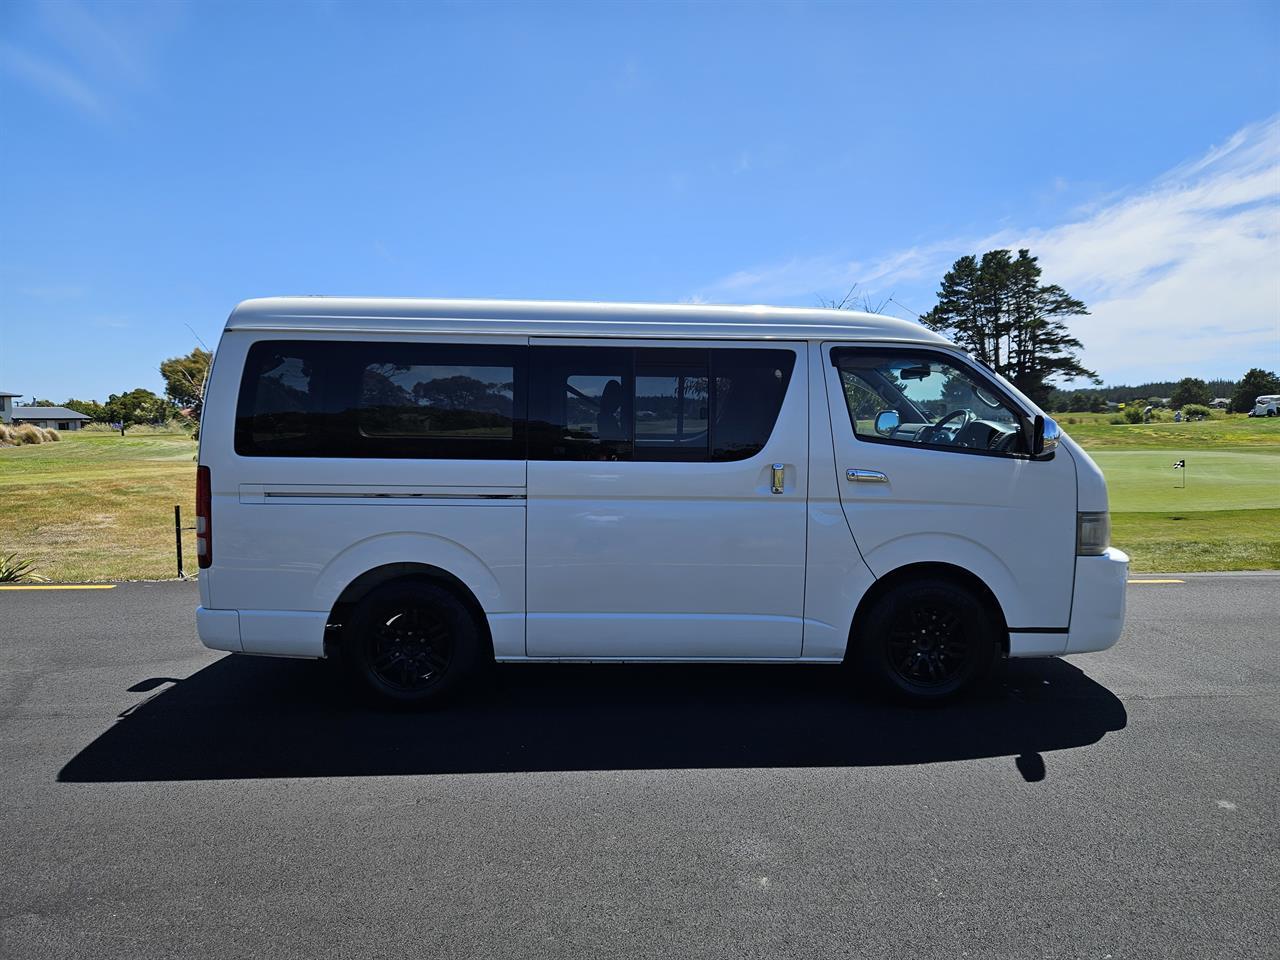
(247, 717)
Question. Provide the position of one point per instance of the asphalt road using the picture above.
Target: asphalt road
(162, 800)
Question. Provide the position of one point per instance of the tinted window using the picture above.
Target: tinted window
(397, 400)
(279, 412)
(579, 403)
(433, 400)
(611, 403)
(749, 387)
(672, 405)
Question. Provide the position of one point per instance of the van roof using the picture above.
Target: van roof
(568, 318)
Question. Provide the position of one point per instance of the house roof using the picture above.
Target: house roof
(549, 318)
(6, 393)
(47, 413)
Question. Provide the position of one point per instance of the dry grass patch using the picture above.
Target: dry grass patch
(98, 507)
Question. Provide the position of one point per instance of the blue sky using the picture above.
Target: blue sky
(161, 162)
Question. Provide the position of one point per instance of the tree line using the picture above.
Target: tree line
(183, 398)
(1240, 394)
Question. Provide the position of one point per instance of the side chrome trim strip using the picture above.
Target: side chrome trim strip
(320, 495)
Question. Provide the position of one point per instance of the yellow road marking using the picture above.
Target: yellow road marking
(1157, 581)
(62, 586)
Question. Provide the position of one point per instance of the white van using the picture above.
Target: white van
(422, 486)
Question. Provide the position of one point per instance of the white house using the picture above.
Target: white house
(56, 418)
(6, 406)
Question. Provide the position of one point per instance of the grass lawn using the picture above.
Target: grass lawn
(1228, 515)
(1191, 542)
(98, 506)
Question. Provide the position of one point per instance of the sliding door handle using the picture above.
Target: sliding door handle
(865, 476)
(778, 475)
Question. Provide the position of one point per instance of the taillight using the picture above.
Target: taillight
(204, 518)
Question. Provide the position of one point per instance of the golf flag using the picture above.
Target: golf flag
(1180, 464)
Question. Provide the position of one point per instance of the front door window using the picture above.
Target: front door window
(921, 397)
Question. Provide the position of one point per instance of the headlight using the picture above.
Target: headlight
(1093, 534)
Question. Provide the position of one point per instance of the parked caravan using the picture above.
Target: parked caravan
(1265, 406)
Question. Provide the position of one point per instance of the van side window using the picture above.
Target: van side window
(914, 397)
(748, 389)
(410, 400)
(654, 404)
(580, 403)
(277, 389)
(328, 398)
(673, 403)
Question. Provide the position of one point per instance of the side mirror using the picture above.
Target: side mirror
(886, 422)
(1045, 434)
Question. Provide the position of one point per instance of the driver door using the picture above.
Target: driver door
(950, 483)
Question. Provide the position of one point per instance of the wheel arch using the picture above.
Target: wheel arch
(371, 579)
(929, 570)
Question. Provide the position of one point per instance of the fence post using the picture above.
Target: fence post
(177, 536)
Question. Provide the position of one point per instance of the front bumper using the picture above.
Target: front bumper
(1097, 606)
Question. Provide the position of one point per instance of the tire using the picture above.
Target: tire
(411, 643)
(928, 640)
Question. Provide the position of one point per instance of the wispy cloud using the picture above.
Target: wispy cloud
(51, 79)
(90, 57)
(1184, 272)
(109, 47)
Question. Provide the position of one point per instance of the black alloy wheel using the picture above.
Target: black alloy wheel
(928, 639)
(927, 645)
(412, 642)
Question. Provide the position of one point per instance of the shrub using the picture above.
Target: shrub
(135, 429)
(28, 433)
(6, 435)
(1196, 410)
(1133, 414)
(13, 570)
(52, 435)
(1117, 419)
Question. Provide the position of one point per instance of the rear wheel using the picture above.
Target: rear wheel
(412, 643)
(928, 640)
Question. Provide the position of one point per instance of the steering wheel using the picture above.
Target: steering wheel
(930, 434)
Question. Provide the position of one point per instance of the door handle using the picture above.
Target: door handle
(865, 476)
(778, 472)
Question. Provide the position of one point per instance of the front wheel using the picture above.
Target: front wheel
(928, 640)
(411, 643)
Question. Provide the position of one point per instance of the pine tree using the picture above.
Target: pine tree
(998, 310)
(1190, 390)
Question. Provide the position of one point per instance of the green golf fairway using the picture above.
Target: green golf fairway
(1145, 481)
